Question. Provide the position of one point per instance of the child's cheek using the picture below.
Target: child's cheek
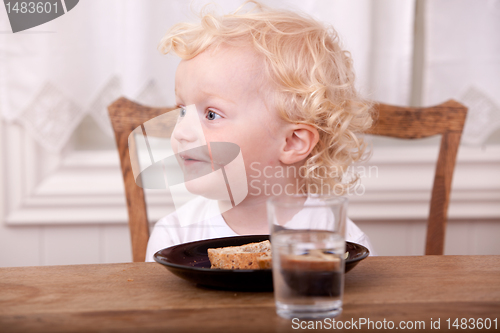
(174, 144)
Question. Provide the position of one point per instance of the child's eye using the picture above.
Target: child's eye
(182, 112)
(211, 115)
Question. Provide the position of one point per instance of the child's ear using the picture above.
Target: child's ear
(300, 141)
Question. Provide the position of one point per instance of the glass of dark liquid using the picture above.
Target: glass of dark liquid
(308, 247)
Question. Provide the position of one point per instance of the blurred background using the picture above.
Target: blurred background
(61, 191)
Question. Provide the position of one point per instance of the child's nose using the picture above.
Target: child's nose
(184, 132)
(188, 128)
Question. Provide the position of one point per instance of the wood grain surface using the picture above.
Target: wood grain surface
(145, 297)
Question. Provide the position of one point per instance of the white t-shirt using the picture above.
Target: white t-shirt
(169, 231)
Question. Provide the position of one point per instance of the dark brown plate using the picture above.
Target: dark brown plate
(190, 262)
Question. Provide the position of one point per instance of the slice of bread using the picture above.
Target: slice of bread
(239, 257)
(265, 261)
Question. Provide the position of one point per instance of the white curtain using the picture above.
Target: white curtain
(462, 61)
(53, 75)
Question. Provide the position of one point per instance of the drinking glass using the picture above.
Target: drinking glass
(308, 253)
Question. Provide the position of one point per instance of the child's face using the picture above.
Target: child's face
(227, 91)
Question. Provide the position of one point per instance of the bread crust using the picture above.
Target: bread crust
(265, 261)
(239, 257)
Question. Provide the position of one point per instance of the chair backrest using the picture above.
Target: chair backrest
(125, 116)
(446, 119)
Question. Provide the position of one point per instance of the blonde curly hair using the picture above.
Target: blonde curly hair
(312, 75)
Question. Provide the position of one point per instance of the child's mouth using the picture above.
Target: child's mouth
(195, 162)
(188, 160)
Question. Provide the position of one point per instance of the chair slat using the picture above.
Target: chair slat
(415, 123)
(125, 116)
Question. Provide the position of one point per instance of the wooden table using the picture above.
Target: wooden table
(141, 297)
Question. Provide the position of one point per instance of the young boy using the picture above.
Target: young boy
(278, 86)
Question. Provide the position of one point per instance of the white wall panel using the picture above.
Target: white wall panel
(389, 238)
(459, 238)
(416, 237)
(69, 245)
(19, 246)
(116, 245)
(486, 238)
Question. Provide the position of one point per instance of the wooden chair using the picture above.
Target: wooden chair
(446, 119)
(125, 116)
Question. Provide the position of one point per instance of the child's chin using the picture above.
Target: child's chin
(207, 190)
